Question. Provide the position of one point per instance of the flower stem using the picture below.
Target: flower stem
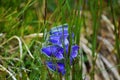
(60, 75)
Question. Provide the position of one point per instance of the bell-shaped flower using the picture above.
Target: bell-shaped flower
(53, 51)
(58, 52)
(59, 67)
(59, 37)
(74, 51)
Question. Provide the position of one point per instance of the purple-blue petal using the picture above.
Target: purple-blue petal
(54, 39)
(59, 53)
(59, 30)
(75, 48)
(59, 40)
(47, 51)
(65, 42)
(53, 50)
(74, 54)
(65, 32)
(74, 51)
(61, 68)
(50, 65)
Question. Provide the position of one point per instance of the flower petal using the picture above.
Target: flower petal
(59, 30)
(55, 39)
(51, 66)
(74, 54)
(59, 53)
(74, 51)
(61, 68)
(47, 51)
(53, 50)
(59, 40)
(75, 48)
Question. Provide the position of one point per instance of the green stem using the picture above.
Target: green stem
(94, 12)
(116, 32)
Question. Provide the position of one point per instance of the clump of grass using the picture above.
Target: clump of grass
(24, 26)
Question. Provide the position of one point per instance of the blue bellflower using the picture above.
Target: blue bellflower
(53, 51)
(59, 36)
(60, 67)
